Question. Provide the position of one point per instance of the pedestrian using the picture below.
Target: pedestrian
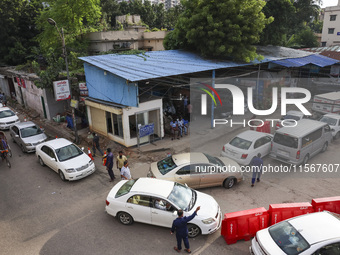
(256, 167)
(180, 226)
(95, 144)
(174, 129)
(125, 172)
(185, 104)
(4, 99)
(121, 158)
(189, 110)
(109, 164)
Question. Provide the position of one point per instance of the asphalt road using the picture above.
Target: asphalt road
(40, 214)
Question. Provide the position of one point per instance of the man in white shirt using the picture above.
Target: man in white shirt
(125, 171)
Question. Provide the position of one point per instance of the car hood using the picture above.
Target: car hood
(209, 206)
(35, 139)
(267, 243)
(76, 162)
(9, 119)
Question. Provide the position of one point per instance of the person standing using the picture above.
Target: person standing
(174, 129)
(185, 104)
(180, 226)
(4, 99)
(256, 167)
(109, 164)
(125, 172)
(121, 158)
(189, 110)
(95, 144)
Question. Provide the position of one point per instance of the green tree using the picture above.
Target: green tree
(220, 28)
(306, 38)
(111, 9)
(17, 29)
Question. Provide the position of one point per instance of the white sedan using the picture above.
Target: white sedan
(246, 145)
(310, 234)
(156, 202)
(64, 157)
(7, 118)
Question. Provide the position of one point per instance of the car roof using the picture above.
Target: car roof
(316, 227)
(303, 126)
(57, 143)
(153, 186)
(251, 135)
(332, 115)
(4, 109)
(296, 113)
(25, 124)
(186, 158)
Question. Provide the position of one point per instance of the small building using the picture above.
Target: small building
(331, 26)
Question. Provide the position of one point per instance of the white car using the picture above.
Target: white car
(246, 145)
(64, 157)
(156, 202)
(289, 119)
(333, 120)
(310, 234)
(7, 118)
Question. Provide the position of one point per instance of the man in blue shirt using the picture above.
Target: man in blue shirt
(109, 164)
(180, 226)
(256, 167)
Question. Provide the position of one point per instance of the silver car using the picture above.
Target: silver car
(27, 135)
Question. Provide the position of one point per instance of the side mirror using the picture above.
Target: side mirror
(174, 214)
(54, 159)
(82, 148)
(16, 136)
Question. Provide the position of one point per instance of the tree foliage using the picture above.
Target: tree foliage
(220, 28)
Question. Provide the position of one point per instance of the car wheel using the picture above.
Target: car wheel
(22, 148)
(324, 147)
(41, 161)
(337, 136)
(125, 218)
(62, 176)
(229, 182)
(305, 159)
(193, 230)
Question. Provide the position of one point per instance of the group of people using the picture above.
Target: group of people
(179, 127)
(121, 162)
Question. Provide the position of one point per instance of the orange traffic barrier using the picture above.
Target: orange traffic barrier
(331, 204)
(104, 158)
(89, 153)
(280, 212)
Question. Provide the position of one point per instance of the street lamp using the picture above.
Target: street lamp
(53, 23)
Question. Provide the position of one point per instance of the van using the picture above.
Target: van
(296, 145)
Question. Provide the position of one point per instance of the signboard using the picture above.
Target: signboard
(21, 82)
(146, 130)
(83, 89)
(337, 33)
(61, 90)
(74, 103)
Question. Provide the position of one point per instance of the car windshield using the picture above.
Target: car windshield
(68, 152)
(288, 238)
(183, 197)
(240, 143)
(286, 140)
(166, 165)
(214, 160)
(291, 117)
(125, 188)
(6, 113)
(328, 120)
(30, 131)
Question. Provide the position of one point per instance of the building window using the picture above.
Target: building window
(330, 30)
(332, 18)
(114, 124)
(323, 44)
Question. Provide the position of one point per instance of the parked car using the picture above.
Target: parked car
(333, 120)
(27, 135)
(156, 202)
(197, 170)
(7, 118)
(289, 119)
(65, 158)
(246, 145)
(296, 145)
(310, 234)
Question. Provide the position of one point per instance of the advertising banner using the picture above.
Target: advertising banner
(61, 90)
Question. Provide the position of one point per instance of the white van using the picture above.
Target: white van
(296, 145)
(333, 120)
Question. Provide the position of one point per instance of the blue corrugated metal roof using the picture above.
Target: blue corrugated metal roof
(156, 64)
(314, 59)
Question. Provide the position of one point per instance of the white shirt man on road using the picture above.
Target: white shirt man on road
(125, 171)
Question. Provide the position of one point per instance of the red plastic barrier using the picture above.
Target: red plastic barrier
(280, 212)
(331, 204)
(243, 224)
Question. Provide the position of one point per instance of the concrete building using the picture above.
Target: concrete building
(331, 26)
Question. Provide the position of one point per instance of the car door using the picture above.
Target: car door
(211, 175)
(14, 133)
(264, 146)
(188, 175)
(49, 157)
(162, 216)
(139, 207)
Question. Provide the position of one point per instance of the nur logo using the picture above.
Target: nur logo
(204, 98)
